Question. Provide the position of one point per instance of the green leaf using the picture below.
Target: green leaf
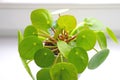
(29, 46)
(63, 71)
(26, 66)
(98, 59)
(64, 48)
(79, 58)
(41, 19)
(67, 22)
(101, 40)
(44, 74)
(30, 31)
(44, 57)
(111, 34)
(20, 37)
(94, 24)
(86, 39)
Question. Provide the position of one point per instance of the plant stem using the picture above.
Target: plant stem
(50, 46)
(43, 35)
(47, 36)
(95, 49)
(29, 61)
(55, 49)
(53, 30)
(56, 58)
(61, 57)
(52, 39)
(72, 38)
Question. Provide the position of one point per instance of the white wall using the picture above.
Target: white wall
(62, 1)
(17, 16)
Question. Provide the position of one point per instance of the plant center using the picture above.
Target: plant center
(51, 42)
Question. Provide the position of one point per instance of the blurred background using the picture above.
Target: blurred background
(15, 15)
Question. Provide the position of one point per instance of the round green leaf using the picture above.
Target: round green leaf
(67, 22)
(86, 39)
(98, 59)
(63, 71)
(30, 31)
(111, 34)
(79, 58)
(94, 24)
(101, 40)
(44, 74)
(41, 19)
(44, 57)
(29, 46)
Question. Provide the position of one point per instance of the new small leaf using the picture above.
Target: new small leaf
(64, 48)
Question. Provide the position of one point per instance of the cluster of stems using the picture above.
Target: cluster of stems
(51, 42)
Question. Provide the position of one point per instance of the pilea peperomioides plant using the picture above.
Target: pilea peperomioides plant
(60, 48)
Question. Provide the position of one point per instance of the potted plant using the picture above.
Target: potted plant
(60, 48)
